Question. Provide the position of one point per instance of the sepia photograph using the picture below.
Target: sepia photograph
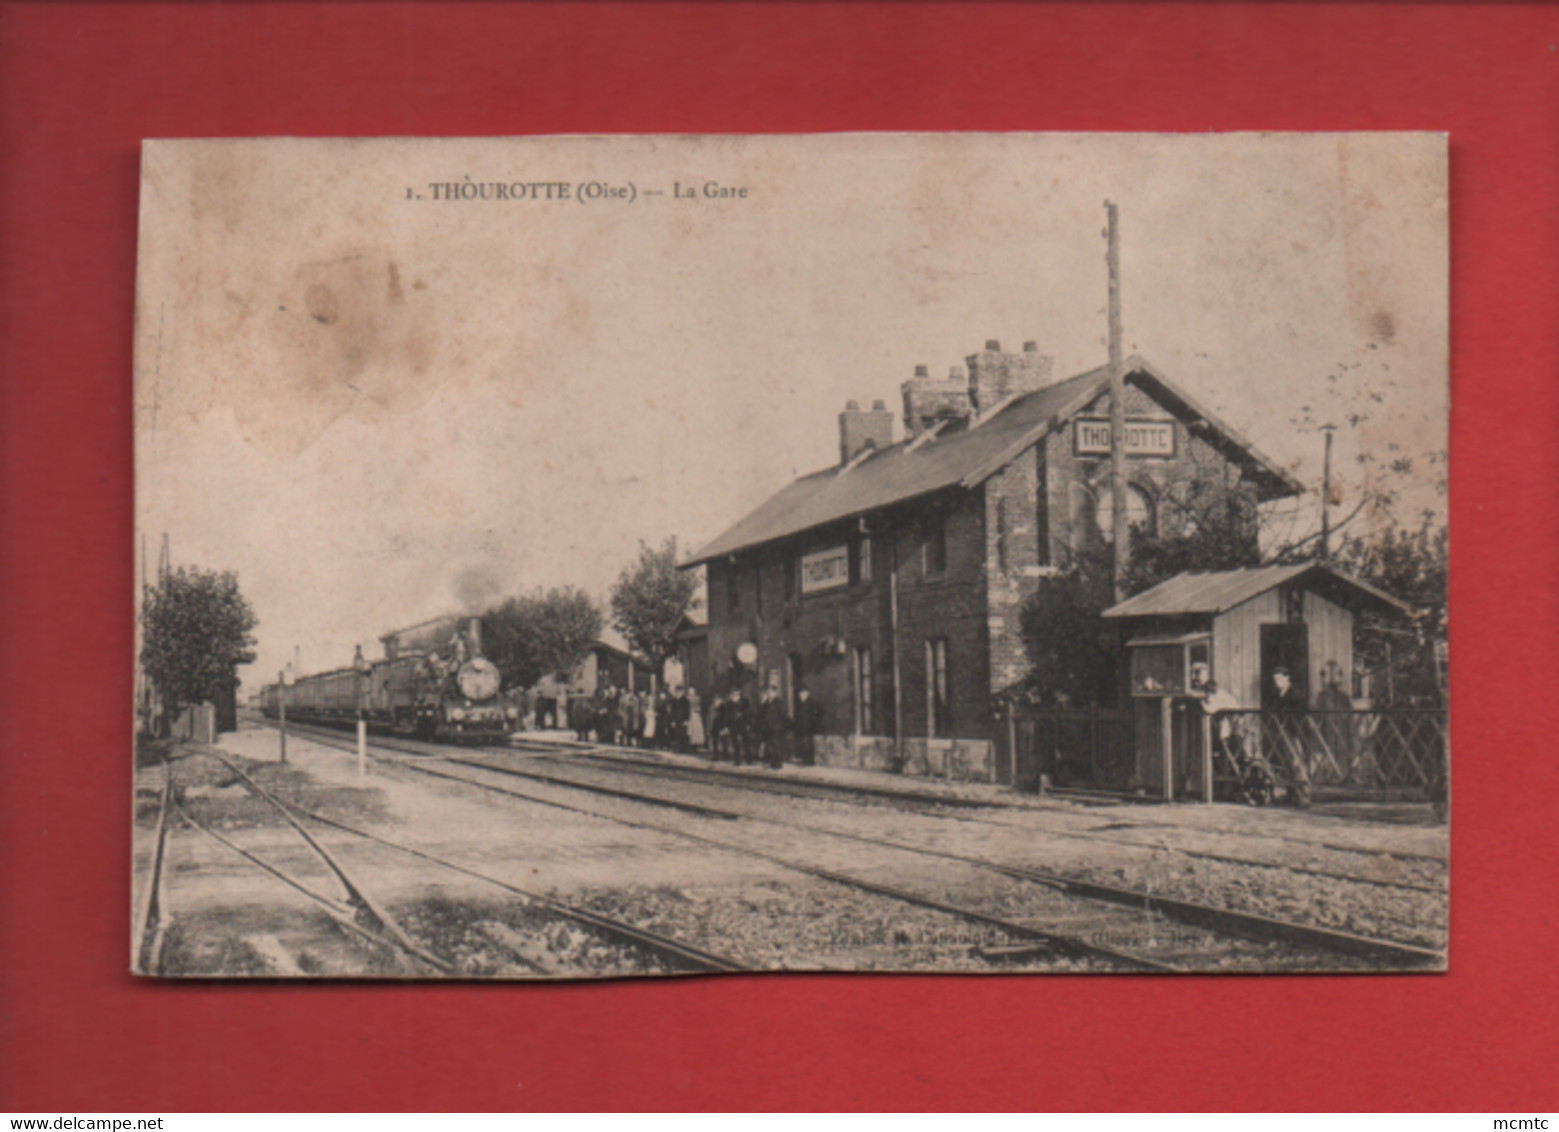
(602, 557)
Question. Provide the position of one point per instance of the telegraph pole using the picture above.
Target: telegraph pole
(1121, 533)
(1326, 496)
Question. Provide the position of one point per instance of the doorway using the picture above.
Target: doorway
(793, 681)
(1285, 646)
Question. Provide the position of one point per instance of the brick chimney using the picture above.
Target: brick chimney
(928, 400)
(995, 376)
(859, 428)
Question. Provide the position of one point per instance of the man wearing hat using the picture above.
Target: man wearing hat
(805, 726)
(1288, 703)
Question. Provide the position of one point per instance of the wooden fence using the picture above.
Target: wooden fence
(1085, 749)
(1396, 753)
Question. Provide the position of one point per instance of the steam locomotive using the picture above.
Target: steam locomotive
(433, 683)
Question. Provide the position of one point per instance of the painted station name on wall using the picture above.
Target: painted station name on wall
(825, 570)
(1143, 438)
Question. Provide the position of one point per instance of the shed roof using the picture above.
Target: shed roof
(612, 640)
(966, 453)
(1217, 591)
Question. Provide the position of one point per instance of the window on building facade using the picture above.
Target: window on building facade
(792, 578)
(1042, 522)
(1003, 536)
(733, 592)
(935, 546)
(863, 561)
(1083, 517)
(1139, 511)
(862, 681)
(938, 719)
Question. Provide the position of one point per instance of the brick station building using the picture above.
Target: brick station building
(890, 584)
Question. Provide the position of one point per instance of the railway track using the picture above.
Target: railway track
(627, 759)
(909, 799)
(1036, 940)
(752, 782)
(967, 809)
(360, 915)
(1070, 944)
(151, 918)
(1220, 922)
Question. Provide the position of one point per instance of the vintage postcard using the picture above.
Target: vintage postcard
(584, 557)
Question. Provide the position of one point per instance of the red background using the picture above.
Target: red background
(81, 84)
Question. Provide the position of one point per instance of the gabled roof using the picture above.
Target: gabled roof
(966, 453)
(613, 641)
(1217, 591)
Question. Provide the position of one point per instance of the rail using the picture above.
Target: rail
(1225, 922)
(151, 917)
(381, 929)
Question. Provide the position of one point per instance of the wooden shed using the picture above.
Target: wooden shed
(1237, 627)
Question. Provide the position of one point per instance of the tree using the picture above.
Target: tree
(1208, 520)
(540, 634)
(196, 630)
(1399, 502)
(649, 601)
(1071, 652)
(1382, 482)
(1407, 663)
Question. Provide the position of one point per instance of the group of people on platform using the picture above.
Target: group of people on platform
(736, 730)
(664, 720)
(765, 733)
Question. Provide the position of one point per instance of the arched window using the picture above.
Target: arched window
(1139, 511)
(1084, 511)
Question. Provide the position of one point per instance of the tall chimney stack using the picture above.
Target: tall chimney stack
(995, 376)
(928, 400)
(862, 428)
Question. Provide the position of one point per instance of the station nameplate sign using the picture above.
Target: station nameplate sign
(1143, 438)
(825, 570)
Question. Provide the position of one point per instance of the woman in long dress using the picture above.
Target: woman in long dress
(695, 720)
(648, 712)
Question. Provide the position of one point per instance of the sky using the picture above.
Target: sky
(379, 395)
